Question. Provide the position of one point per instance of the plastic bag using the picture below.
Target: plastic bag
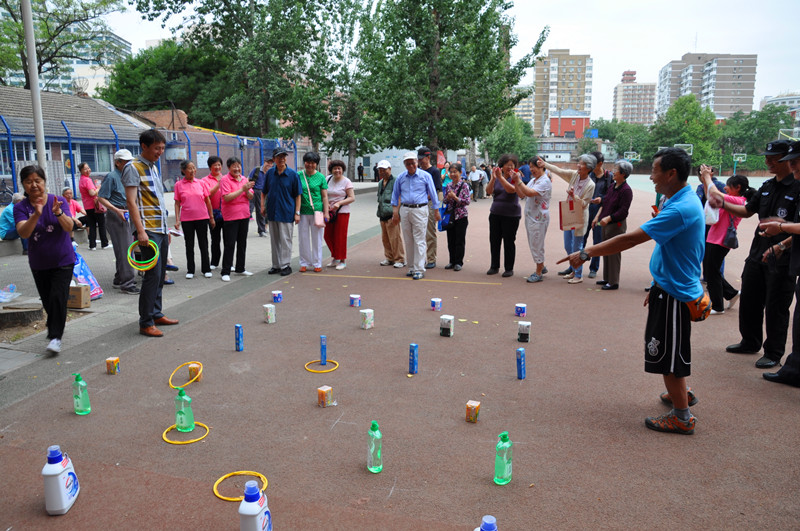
(9, 293)
(712, 214)
(84, 275)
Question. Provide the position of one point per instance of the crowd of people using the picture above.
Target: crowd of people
(693, 233)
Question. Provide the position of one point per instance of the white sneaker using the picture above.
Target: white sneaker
(734, 299)
(213, 267)
(54, 346)
(334, 263)
(189, 275)
(398, 265)
(109, 246)
(207, 275)
(386, 263)
(340, 266)
(226, 278)
(245, 274)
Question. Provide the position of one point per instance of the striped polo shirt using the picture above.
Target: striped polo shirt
(144, 175)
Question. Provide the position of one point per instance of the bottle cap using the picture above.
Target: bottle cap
(77, 376)
(181, 392)
(53, 454)
(251, 492)
(374, 426)
(489, 523)
(504, 436)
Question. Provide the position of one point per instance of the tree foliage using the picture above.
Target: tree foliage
(438, 70)
(65, 30)
(586, 145)
(512, 135)
(750, 133)
(686, 122)
(170, 75)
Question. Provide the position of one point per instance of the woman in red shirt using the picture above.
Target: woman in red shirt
(95, 212)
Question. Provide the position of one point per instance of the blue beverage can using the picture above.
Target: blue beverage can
(323, 350)
(127, 217)
(239, 338)
(413, 358)
(520, 363)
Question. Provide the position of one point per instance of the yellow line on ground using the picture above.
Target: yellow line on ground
(406, 278)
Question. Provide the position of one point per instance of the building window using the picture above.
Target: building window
(573, 122)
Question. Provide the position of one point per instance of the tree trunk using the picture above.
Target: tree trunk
(472, 159)
(352, 154)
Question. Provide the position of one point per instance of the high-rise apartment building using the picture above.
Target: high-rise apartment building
(634, 103)
(724, 83)
(563, 81)
(524, 109)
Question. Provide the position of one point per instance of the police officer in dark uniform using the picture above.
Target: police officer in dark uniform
(767, 285)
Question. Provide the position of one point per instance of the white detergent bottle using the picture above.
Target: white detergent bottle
(254, 513)
(61, 485)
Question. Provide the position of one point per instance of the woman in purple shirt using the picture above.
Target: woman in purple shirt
(504, 214)
(456, 198)
(612, 217)
(46, 220)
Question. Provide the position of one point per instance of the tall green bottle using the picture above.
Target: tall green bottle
(184, 417)
(80, 396)
(502, 460)
(375, 443)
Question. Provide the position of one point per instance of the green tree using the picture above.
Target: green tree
(686, 122)
(750, 133)
(65, 30)
(606, 129)
(512, 135)
(438, 70)
(171, 76)
(586, 145)
(631, 137)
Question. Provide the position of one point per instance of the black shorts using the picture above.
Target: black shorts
(667, 346)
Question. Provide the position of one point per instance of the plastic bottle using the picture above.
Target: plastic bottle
(375, 442)
(254, 513)
(80, 396)
(502, 460)
(184, 417)
(61, 485)
(488, 523)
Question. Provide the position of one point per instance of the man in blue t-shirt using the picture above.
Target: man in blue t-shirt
(282, 210)
(675, 264)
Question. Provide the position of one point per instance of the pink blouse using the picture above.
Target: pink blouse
(239, 208)
(192, 197)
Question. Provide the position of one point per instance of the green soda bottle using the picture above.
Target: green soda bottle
(375, 442)
(80, 396)
(502, 460)
(184, 417)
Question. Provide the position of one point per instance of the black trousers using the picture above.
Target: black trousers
(791, 367)
(457, 240)
(503, 231)
(53, 288)
(96, 220)
(234, 234)
(190, 229)
(719, 290)
(769, 294)
(216, 240)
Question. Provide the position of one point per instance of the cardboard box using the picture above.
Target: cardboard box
(79, 296)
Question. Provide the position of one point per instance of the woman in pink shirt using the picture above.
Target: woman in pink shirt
(211, 182)
(236, 194)
(193, 212)
(340, 195)
(95, 213)
(737, 191)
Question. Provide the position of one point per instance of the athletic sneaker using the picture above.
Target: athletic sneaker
(244, 273)
(534, 278)
(340, 266)
(55, 346)
(668, 400)
(190, 275)
(303, 269)
(226, 278)
(670, 423)
(384, 263)
(334, 263)
(109, 246)
(207, 275)
(318, 270)
(733, 300)
(398, 265)
(133, 290)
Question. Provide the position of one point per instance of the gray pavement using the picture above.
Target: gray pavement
(114, 317)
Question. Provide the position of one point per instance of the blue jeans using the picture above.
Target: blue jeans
(573, 244)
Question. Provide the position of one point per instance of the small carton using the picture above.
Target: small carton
(436, 304)
(112, 365)
(79, 296)
(524, 335)
(325, 396)
(447, 326)
(355, 300)
(367, 319)
(473, 409)
(277, 296)
(195, 369)
(269, 313)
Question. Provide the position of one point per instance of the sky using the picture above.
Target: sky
(628, 35)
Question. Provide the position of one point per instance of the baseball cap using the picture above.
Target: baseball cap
(423, 152)
(123, 154)
(410, 155)
(278, 151)
(793, 153)
(777, 147)
(385, 164)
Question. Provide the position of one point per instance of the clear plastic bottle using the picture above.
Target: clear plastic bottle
(502, 460)
(61, 485)
(184, 417)
(488, 523)
(254, 514)
(375, 443)
(80, 396)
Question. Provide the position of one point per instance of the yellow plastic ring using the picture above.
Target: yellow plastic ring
(164, 435)
(262, 477)
(336, 366)
(144, 265)
(199, 373)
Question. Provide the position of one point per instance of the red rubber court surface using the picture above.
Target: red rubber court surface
(582, 455)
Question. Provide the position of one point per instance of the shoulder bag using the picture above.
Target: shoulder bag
(319, 218)
(731, 241)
